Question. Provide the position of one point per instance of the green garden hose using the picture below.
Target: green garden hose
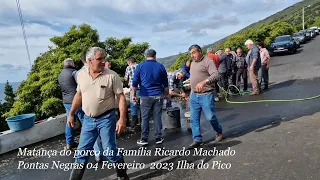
(227, 92)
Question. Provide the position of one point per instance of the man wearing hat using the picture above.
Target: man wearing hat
(152, 79)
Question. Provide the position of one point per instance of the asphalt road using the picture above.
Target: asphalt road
(291, 76)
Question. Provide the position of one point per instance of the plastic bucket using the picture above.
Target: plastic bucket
(171, 118)
(21, 122)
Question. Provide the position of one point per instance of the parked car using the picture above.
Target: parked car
(312, 33)
(307, 34)
(316, 29)
(283, 44)
(300, 37)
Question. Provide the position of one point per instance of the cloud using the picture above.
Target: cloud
(154, 21)
(11, 67)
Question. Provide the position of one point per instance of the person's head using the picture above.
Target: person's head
(227, 51)
(260, 45)
(239, 52)
(180, 74)
(150, 54)
(131, 61)
(95, 58)
(195, 52)
(83, 58)
(249, 43)
(68, 62)
(107, 64)
(209, 50)
(219, 52)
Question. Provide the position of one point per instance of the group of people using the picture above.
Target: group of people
(91, 93)
(234, 67)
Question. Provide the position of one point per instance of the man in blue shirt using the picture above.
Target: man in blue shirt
(151, 77)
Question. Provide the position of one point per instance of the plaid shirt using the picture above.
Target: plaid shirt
(130, 73)
(173, 81)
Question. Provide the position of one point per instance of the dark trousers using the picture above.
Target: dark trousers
(224, 81)
(242, 73)
(264, 75)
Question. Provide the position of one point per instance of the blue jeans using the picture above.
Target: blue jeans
(206, 103)
(69, 131)
(105, 127)
(133, 105)
(148, 105)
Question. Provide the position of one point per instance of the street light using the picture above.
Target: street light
(303, 15)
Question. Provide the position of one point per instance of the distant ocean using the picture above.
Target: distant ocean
(14, 85)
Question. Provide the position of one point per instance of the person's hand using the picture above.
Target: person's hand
(121, 125)
(184, 96)
(70, 121)
(267, 67)
(135, 99)
(251, 68)
(200, 86)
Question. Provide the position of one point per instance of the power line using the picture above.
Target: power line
(23, 31)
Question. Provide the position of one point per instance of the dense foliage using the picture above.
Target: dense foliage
(40, 92)
(292, 15)
(6, 105)
(179, 62)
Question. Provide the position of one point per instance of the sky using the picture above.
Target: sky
(169, 27)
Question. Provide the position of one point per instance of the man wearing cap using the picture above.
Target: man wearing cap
(175, 83)
(96, 91)
(223, 69)
(204, 74)
(253, 60)
(152, 79)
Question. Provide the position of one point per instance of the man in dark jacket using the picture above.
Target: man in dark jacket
(68, 85)
(242, 72)
(223, 69)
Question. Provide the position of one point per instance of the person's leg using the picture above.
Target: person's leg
(254, 82)
(133, 107)
(260, 76)
(107, 132)
(265, 76)
(195, 114)
(209, 110)
(88, 136)
(69, 130)
(157, 113)
(146, 106)
(239, 73)
(97, 147)
(245, 79)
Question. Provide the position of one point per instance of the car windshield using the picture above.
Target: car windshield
(296, 35)
(282, 38)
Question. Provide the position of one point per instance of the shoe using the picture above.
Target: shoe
(142, 142)
(159, 140)
(76, 174)
(265, 88)
(71, 146)
(194, 144)
(122, 172)
(216, 99)
(254, 93)
(218, 138)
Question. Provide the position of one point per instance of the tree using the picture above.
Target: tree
(10, 96)
(40, 92)
(3, 123)
(317, 22)
(120, 50)
(179, 62)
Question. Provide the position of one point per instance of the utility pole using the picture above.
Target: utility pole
(303, 17)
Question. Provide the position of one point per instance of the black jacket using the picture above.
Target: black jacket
(68, 84)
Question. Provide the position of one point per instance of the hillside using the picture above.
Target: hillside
(292, 15)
